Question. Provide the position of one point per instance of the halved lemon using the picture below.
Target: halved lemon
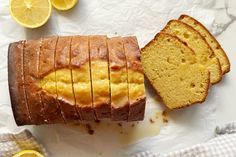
(64, 4)
(28, 153)
(31, 13)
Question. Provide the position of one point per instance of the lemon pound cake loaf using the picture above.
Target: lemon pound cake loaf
(118, 80)
(137, 98)
(74, 79)
(195, 41)
(215, 46)
(172, 69)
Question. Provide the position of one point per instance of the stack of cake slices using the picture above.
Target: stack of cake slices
(76, 78)
(182, 61)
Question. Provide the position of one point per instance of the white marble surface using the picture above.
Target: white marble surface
(143, 19)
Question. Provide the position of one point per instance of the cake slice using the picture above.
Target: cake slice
(195, 41)
(137, 98)
(31, 68)
(100, 76)
(81, 76)
(171, 68)
(215, 46)
(51, 106)
(118, 80)
(65, 90)
(16, 84)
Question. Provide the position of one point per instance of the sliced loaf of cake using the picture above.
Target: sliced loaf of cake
(171, 67)
(195, 41)
(215, 46)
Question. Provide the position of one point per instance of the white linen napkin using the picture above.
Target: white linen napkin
(11, 144)
(222, 145)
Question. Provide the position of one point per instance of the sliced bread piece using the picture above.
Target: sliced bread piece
(51, 106)
(81, 76)
(195, 41)
(118, 80)
(16, 84)
(215, 46)
(137, 97)
(31, 65)
(100, 76)
(64, 80)
(171, 68)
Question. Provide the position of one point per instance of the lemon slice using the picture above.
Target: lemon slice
(28, 153)
(31, 13)
(64, 4)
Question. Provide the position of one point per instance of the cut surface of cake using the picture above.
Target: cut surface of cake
(195, 41)
(215, 46)
(172, 69)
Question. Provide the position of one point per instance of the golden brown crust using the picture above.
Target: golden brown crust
(80, 56)
(51, 108)
(137, 110)
(150, 81)
(132, 51)
(210, 55)
(31, 68)
(98, 47)
(218, 45)
(117, 59)
(98, 51)
(53, 113)
(79, 51)
(46, 57)
(16, 84)
(117, 62)
(62, 60)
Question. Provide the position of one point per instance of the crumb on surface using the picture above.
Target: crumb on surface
(164, 113)
(151, 120)
(89, 129)
(165, 120)
(133, 125)
(119, 124)
(164, 116)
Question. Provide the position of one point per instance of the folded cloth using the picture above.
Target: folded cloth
(11, 144)
(223, 145)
